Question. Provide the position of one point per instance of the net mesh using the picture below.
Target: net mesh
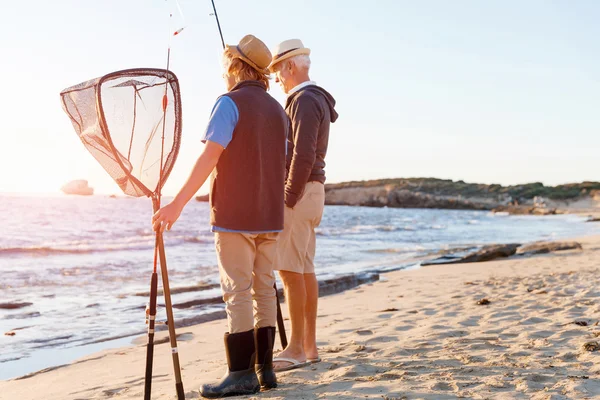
(119, 118)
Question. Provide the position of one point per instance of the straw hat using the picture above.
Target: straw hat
(288, 49)
(253, 51)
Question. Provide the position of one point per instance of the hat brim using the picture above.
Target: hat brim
(291, 54)
(236, 54)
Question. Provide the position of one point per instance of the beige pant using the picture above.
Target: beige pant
(297, 243)
(246, 269)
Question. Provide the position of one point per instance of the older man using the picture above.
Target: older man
(245, 151)
(311, 110)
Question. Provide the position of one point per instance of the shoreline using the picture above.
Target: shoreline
(71, 352)
(418, 333)
(339, 284)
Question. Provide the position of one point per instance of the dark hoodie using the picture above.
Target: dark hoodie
(311, 110)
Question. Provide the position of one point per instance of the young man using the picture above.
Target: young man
(311, 110)
(245, 151)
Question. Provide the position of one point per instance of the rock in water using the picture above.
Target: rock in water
(204, 197)
(79, 187)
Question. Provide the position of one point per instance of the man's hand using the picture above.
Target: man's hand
(166, 217)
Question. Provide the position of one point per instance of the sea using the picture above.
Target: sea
(75, 271)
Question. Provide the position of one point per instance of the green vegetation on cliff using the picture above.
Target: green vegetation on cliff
(446, 187)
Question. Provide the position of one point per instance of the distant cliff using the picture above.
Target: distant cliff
(531, 198)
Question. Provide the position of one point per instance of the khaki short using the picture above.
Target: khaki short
(296, 245)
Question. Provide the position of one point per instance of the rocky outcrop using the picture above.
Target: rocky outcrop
(203, 198)
(527, 210)
(495, 251)
(486, 253)
(385, 196)
(532, 198)
(78, 187)
(342, 283)
(547, 247)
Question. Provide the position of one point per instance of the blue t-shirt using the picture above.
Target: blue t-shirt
(223, 119)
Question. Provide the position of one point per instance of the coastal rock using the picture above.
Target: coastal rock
(204, 197)
(532, 198)
(593, 219)
(486, 253)
(547, 247)
(492, 252)
(342, 283)
(369, 197)
(409, 199)
(385, 196)
(78, 187)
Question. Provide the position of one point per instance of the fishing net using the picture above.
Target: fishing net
(120, 118)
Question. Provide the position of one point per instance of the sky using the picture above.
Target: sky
(499, 91)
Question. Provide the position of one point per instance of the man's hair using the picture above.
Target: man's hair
(302, 61)
(242, 70)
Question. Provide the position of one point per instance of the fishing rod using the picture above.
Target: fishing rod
(280, 324)
(159, 250)
(159, 253)
(218, 24)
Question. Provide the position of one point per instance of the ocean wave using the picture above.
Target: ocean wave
(397, 250)
(43, 250)
(366, 229)
(87, 247)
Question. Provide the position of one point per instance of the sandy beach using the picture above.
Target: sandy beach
(419, 334)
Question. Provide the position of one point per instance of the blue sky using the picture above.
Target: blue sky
(496, 91)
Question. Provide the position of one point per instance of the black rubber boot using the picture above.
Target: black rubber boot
(265, 339)
(241, 378)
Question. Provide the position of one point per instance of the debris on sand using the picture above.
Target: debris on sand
(591, 346)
